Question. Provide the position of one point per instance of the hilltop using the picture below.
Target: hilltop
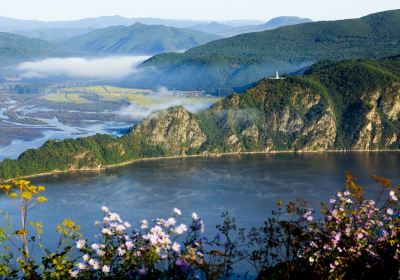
(15, 48)
(136, 39)
(350, 105)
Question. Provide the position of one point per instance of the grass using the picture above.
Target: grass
(107, 90)
(61, 97)
(141, 97)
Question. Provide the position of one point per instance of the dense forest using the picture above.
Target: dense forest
(238, 61)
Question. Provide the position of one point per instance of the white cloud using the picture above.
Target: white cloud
(76, 67)
(136, 113)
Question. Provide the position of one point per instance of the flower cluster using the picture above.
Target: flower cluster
(355, 238)
(147, 251)
(354, 231)
(23, 190)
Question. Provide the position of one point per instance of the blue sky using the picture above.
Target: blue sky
(193, 9)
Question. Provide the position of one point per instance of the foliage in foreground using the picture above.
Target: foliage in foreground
(354, 238)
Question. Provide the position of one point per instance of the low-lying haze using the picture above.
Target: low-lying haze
(107, 68)
(135, 112)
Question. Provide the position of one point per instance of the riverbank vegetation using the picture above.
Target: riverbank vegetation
(349, 237)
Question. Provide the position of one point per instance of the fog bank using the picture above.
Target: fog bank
(107, 68)
(136, 113)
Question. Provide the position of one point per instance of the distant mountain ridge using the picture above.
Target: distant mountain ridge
(212, 27)
(271, 24)
(350, 105)
(241, 60)
(11, 24)
(59, 30)
(53, 34)
(138, 39)
(228, 31)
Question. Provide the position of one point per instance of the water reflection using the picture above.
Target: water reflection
(246, 186)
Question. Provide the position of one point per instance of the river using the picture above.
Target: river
(247, 186)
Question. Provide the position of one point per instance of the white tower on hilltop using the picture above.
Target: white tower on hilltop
(277, 75)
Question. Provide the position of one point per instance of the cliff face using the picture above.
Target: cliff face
(272, 118)
(384, 104)
(174, 129)
(300, 114)
(350, 105)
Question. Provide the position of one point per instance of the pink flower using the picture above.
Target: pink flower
(195, 217)
(393, 196)
(180, 229)
(129, 245)
(177, 211)
(80, 244)
(176, 247)
(105, 269)
(308, 216)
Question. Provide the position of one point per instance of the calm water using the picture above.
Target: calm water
(246, 186)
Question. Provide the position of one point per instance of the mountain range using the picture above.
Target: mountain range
(350, 105)
(54, 31)
(105, 36)
(241, 60)
(59, 30)
(11, 25)
(222, 65)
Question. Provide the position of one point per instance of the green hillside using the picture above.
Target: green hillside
(137, 39)
(15, 48)
(244, 59)
(348, 105)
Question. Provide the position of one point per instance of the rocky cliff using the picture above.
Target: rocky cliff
(176, 129)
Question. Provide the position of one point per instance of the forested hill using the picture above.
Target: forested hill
(138, 39)
(15, 48)
(348, 105)
(244, 59)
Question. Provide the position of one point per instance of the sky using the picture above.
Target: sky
(50, 10)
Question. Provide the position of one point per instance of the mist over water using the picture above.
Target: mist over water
(247, 186)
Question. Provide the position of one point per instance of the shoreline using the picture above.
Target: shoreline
(206, 155)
